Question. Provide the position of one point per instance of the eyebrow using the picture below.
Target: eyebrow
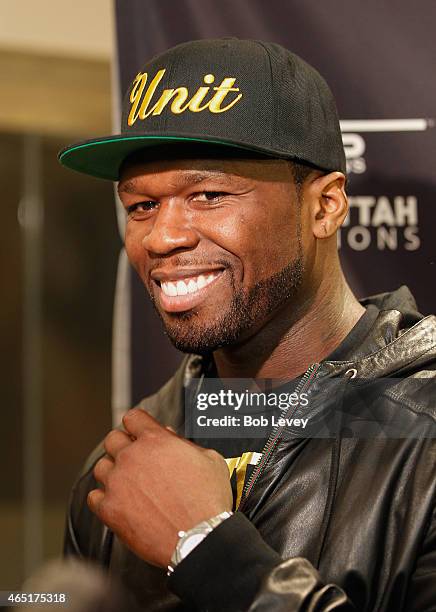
(127, 187)
(132, 186)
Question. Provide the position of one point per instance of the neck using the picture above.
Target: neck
(296, 336)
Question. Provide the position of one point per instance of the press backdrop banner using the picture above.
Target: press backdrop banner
(378, 58)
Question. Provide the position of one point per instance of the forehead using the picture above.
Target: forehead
(191, 170)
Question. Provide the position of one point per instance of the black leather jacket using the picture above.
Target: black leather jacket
(333, 523)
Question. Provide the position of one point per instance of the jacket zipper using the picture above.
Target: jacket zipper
(273, 438)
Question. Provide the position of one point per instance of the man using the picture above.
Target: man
(232, 173)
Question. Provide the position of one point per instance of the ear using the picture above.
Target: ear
(329, 204)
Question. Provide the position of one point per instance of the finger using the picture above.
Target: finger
(136, 421)
(115, 441)
(102, 469)
(95, 498)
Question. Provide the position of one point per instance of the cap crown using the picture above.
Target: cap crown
(243, 94)
(247, 92)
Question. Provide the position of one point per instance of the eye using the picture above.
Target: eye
(141, 208)
(212, 197)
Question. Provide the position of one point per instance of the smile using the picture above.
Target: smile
(183, 293)
(188, 285)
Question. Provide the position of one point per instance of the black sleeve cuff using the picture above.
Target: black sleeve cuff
(225, 571)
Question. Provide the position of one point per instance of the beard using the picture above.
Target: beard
(246, 309)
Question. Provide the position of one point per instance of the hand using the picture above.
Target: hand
(156, 484)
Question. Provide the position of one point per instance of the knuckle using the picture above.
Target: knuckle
(123, 456)
(97, 470)
(113, 433)
(110, 438)
(108, 512)
(151, 435)
(131, 414)
(104, 510)
(90, 498)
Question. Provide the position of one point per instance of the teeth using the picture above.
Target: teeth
(182, 289)
(188, 285)
(201, 282)
(192, 286)
(171, 288)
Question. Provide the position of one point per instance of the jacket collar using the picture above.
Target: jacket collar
(400, 342)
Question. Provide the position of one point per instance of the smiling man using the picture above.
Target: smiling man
(231, 170)
(227, 253)
(211, 214)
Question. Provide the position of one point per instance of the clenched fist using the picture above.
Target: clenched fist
(156, 483)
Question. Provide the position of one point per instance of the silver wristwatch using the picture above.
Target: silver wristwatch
(188, 540)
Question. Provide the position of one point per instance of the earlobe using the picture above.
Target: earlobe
(330, 204)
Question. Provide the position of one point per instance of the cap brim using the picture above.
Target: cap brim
(103, 157)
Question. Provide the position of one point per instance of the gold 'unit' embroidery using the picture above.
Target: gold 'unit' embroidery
(141, 97)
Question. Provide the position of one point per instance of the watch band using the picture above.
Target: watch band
(188, 540)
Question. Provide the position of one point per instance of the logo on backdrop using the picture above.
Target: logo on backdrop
(354, 142)
(380, 222)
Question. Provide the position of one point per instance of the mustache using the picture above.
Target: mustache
(182, 261)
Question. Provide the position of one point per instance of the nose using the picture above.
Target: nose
(171, 230)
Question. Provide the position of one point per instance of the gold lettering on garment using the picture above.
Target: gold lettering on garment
(239, 465)
(142, 105)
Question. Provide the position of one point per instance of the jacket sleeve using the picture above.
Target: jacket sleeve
(422, 590)
(71, 546)
(85, 536)
(234, 570)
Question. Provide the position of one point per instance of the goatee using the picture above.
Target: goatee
(190, 335)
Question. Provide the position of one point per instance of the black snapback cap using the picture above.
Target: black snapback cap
(244, 94)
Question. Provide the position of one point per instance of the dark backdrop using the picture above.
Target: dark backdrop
(378, 58)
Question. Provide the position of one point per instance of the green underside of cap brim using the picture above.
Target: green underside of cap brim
(103, 158)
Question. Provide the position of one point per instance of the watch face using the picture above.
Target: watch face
(188, 544)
